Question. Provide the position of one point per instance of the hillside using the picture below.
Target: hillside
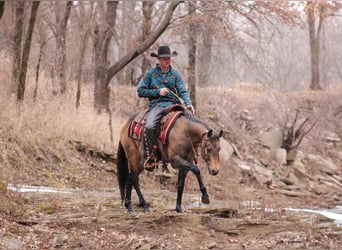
(49, 143)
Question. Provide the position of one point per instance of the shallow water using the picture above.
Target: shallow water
(40, 189)
(334, 214)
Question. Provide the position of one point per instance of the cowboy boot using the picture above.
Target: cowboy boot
(150, 149)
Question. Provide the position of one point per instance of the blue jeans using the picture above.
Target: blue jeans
(153, 117)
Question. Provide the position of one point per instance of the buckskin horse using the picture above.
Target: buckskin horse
(185, 135)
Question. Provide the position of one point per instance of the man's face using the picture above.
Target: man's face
(164, 62)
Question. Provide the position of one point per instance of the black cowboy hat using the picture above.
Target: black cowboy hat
(164, 51)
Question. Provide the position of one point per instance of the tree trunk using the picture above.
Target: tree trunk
(26, 51)
(2, 8)
(147, 28)
(102, 37)
(192, 57)
(83, 19)
(314, 37)
(17, 40)
(61, 45)
(125, 76)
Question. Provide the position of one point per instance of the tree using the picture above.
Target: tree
(2, 8)
(146, 31)
(103, 33)
(317, 10)
(22, 52)
(62, 18)
(82, 19)
(103, 73)
(192, 45)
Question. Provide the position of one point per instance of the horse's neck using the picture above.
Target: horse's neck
(197, 129)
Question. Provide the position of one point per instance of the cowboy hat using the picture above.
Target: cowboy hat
(164, 51)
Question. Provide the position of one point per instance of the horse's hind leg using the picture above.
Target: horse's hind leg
(142, 201)
(128, 194)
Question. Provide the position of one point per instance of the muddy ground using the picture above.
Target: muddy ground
(92, 217)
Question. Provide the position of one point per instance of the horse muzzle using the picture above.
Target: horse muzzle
(213, 171)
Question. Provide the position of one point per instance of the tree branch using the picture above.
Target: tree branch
(114, 69)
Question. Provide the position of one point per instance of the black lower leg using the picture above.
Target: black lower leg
(128, 194)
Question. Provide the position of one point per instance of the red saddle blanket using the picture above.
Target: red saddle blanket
(136, 126)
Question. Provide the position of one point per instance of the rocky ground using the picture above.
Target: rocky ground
(250, 197)
(92, 216)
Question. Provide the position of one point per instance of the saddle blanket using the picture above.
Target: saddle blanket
(136, 126)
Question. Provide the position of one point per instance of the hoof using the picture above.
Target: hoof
(145, 206)
(205, 200)
(179, 209)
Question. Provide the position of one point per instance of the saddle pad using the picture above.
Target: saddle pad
(170, 121)
(135, 129)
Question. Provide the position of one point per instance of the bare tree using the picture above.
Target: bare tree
(102, 35)
(103, 74)
(146, 31)
(22, 52)
(127, 35)
(317, 11)
(2, 8)
(62, 18)
(192, 54)
(84, 20)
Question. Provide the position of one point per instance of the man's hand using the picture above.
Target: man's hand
(191, 108)
(163, 91)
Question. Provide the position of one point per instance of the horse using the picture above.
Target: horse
(187, 135)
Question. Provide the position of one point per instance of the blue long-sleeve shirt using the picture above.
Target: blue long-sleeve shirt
(154, 80)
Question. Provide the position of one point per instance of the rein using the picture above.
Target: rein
(192, 145)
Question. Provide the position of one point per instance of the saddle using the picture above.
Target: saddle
(136, 126)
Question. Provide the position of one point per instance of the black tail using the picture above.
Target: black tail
(122, 165)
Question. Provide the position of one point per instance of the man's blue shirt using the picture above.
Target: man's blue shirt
(154, 80)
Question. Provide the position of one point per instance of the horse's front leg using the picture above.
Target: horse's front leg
(180, 187)
(183, 164)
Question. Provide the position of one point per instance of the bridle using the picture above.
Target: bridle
(201, 143)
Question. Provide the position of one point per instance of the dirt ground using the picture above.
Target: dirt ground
(93, 218)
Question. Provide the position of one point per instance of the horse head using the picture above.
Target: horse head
(210, 149)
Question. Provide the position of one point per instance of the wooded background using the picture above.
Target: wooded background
(287, 45)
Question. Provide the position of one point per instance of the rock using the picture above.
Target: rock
(11, 243)
(330, 136)
(212, 245)
(245, 116)
(291, 155)
(326, 165)
(292, 193)
(280, 155)
(272, 138)
(299, 170)
(226, 151)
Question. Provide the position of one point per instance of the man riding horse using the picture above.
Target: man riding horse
(163, 86)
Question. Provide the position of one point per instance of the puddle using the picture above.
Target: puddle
(39, 189)
(334, 214)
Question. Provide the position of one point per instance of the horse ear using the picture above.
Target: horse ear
(220, 133)
(209, 133)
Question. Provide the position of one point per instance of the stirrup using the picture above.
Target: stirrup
(150, 163)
